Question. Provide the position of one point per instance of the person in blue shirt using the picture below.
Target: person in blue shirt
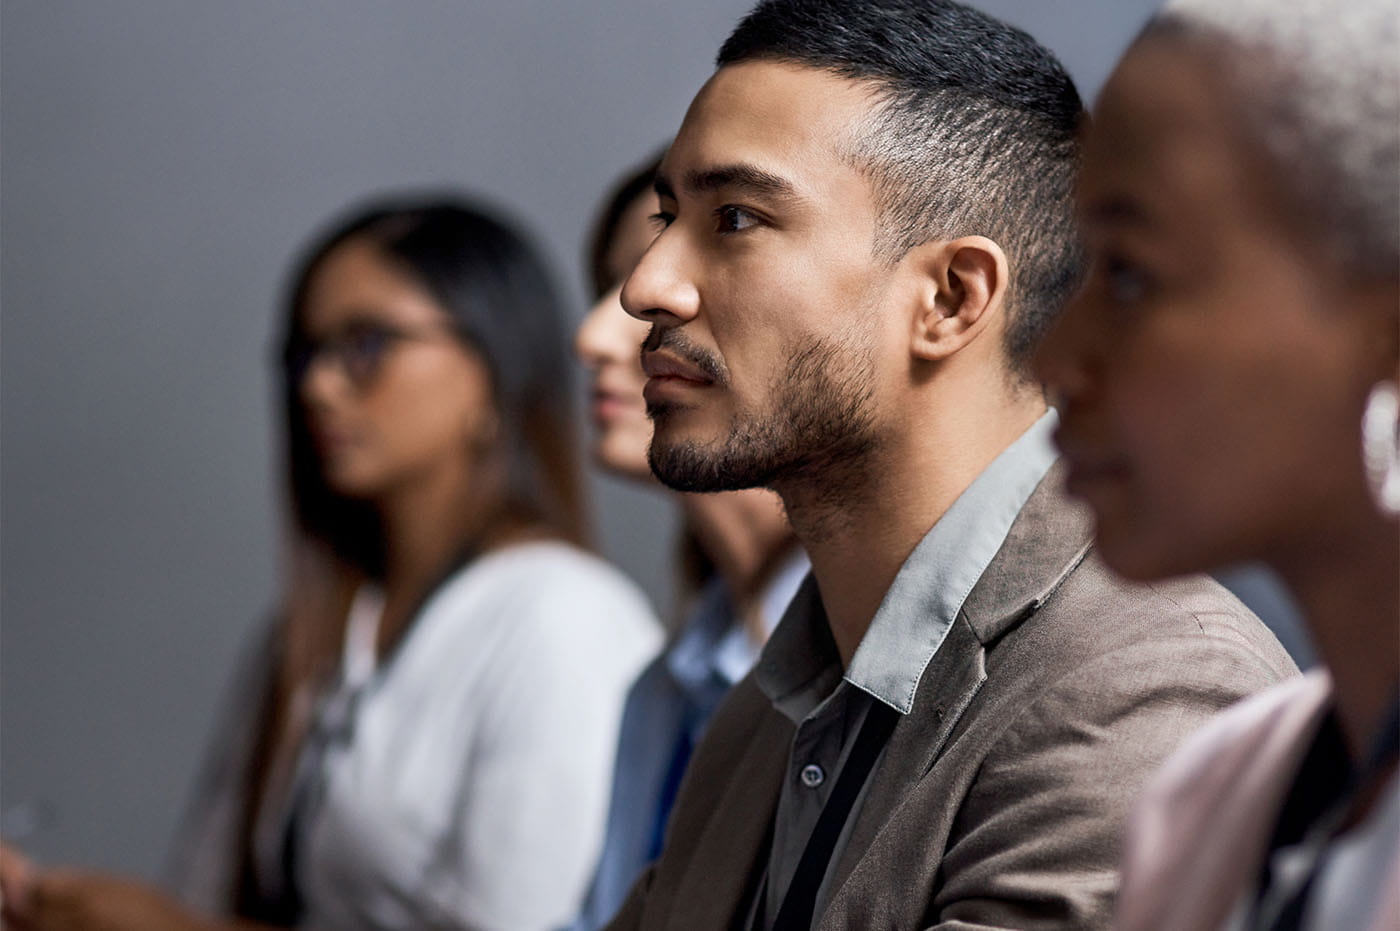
(738, 553)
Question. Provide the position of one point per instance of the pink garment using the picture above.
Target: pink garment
(1197, 837)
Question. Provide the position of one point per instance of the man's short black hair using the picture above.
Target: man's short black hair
(977, 135)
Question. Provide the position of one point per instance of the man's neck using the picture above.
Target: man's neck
(859, 539)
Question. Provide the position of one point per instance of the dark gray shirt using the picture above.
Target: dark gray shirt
(800, 669)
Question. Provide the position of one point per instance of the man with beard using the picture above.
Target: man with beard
(867, 225)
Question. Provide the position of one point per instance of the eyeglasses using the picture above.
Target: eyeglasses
(360, 349)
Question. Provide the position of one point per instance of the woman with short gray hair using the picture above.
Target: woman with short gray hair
(1228, 388)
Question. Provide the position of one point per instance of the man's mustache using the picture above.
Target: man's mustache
(675, 342)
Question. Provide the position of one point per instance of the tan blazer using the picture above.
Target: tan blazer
(1001, 797)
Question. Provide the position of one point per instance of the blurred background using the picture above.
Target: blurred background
(162, 160)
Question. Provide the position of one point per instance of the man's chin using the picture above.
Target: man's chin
(679, 436)
(666, 413)
(686, 465)
(675, 462)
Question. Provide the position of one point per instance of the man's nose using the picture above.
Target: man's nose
(662, 288)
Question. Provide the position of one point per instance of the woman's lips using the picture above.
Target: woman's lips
(616, 394)
(1088, 468)
(609, 407)
(1089, 474)
(330, 440)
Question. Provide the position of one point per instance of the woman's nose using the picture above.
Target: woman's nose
(1063, 361)
(597, 340)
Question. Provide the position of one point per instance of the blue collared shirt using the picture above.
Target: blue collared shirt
(800, 669)
(670, 703)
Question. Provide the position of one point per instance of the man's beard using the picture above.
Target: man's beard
(820, 427)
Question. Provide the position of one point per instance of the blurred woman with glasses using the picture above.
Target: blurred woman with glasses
(430, 739)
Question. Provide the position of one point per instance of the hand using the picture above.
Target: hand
(69, 900)
(16, 884)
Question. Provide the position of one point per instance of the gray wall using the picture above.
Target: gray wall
(162, 159)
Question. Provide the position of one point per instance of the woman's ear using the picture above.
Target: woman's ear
(963, 284)
(486, 436)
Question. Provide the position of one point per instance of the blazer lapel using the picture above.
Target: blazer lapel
(719, 876)
(947, 687)
(1049, 538)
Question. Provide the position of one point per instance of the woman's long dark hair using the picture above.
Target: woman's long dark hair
(501, 297)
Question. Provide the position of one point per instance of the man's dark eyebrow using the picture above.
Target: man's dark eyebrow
(746, 178)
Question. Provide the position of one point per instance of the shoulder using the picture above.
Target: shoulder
(545, 580)
(549, 564)
(526, 603)
(1138, 667)
(1192, 625)
(1091, 589)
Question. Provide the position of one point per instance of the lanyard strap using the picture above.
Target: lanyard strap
(801, 898)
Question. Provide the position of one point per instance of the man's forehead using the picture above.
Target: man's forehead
(772, 118)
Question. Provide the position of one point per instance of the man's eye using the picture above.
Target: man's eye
(732, 219)
(661, 219)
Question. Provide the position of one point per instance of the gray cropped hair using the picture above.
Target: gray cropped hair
(1317, 85)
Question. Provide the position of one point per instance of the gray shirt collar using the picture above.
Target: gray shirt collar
(800, 661)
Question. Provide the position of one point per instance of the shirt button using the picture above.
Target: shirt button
(813, 775)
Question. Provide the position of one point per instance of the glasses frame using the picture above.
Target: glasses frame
(359, 349)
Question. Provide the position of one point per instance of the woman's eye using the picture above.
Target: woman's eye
(1124, 281)
(368, 342)
(661, 219)
(732, 219)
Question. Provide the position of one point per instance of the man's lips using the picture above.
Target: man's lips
(660, 365)
(670, 378)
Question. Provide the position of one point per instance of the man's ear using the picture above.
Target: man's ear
(963, 284)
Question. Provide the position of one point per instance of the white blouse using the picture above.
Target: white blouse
(468, 782)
